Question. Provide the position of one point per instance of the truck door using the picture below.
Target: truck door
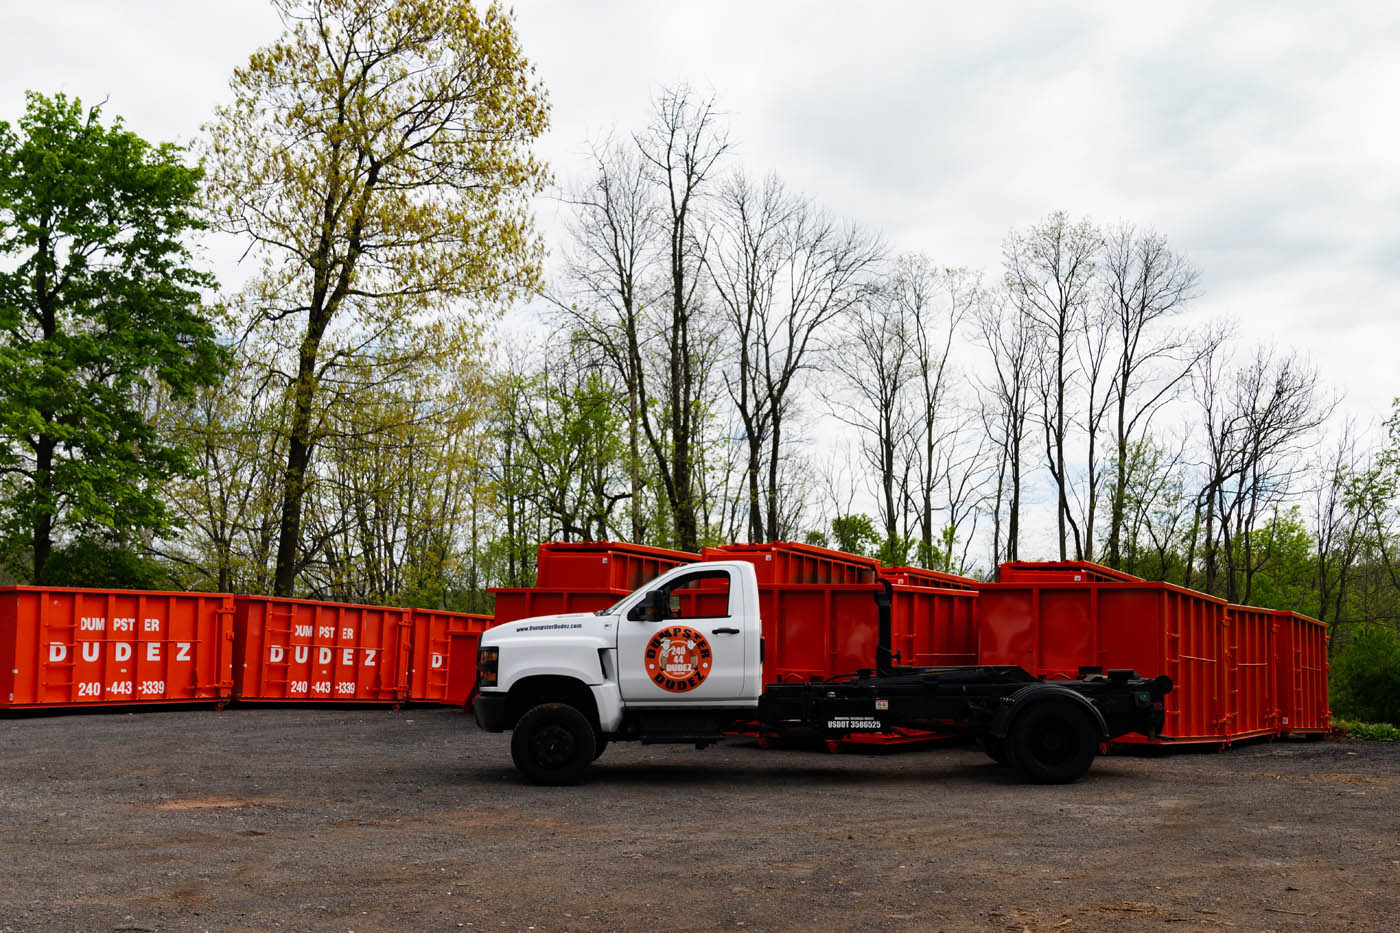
(682, 642)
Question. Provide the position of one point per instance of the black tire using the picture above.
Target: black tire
(1053, 742)
(553, 744)
(600, 742)
(996, 750)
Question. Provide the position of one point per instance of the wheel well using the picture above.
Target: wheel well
(1038, 694)
(532, 691)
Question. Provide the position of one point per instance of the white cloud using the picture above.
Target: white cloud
(1260, 137)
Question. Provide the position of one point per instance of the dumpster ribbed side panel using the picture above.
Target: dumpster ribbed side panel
(444, 655)
(779, 563)
(1053, 629)
(297, 649)
(604, 565)
(933, 627)
(81, 647)
(817, 631)
(1249, 672)
(515, 603)
(1301, 675)
(1186, 642)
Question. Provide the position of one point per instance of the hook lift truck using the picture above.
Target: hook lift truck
(681, 661)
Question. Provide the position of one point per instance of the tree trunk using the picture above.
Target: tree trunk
(45, 444)
(775, 441)
(299, 448)
(43, 523)
(755, 494)
(1120, 492)
(634, 461)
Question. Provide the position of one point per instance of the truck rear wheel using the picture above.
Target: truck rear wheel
(996, 750)
(553, 744)
(1052, 742)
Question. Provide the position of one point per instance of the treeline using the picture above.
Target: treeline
(726, 361)
(712, 356)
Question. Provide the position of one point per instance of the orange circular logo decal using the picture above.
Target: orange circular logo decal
(678, 658)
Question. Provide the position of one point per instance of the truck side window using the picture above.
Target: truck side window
(700, 595)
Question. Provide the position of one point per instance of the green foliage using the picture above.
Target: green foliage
(938, 554)
(1366, 676)
(99, 308)
(854, 534)
(378, 160)
(895, 551)
(1285, 564)
(1367, 731)
(104, 566)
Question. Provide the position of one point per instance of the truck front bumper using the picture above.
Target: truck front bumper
(490, 711)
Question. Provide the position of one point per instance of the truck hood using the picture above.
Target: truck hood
(572, 627)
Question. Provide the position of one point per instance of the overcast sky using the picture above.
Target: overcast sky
(1261, 138)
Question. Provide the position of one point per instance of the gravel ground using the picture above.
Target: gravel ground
(361, 819)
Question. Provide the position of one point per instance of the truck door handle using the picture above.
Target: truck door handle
(726, 631)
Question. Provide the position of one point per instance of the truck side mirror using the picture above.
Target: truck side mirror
(656, 606)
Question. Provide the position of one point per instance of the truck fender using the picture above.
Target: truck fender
(1024, 698)
(528, 692)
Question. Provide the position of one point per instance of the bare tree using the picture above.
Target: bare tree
(1157, 507)
(1005, 333)
(936, 304)
(786, 272)
(1146, 286)
(1260, 419)
(680, 150)
(962, 469)
(637, 262)
(745, 268)
(827, 264)
(1092, 351)
(1278, 399)
(1339, 526)
(614, 237)
(1050, 276)
(876, 364)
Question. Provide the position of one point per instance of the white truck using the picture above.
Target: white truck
(681, 660)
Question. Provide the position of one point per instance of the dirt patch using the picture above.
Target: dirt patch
(376, 819)
(213, 803)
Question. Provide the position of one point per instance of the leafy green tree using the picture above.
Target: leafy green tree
(96, 564)
(1284, 564)
(378, 157)
(99, 301)
(855, 534)
(1366, 676)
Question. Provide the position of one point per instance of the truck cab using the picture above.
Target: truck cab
(690, 640)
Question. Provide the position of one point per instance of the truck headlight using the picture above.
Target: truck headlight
(487, 663)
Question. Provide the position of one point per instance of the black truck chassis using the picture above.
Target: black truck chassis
(1048, 730)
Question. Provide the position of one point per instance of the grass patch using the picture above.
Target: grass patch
(1366, 731)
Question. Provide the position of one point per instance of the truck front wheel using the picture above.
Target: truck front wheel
(1052, 742)
(553, 744)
